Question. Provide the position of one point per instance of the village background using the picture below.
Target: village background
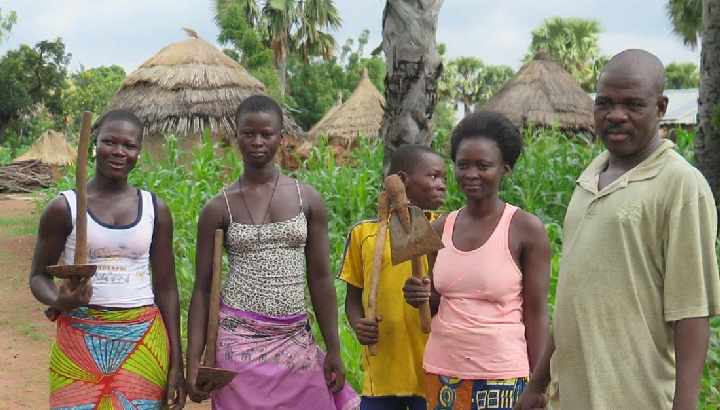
(537, 63)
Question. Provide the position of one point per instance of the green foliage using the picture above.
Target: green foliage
(469, 81)
(7, 22)
(24, 130)
(32, 76)
(686, 19)
(90, 90)
(682, 75)
(314, 88)
(572, 43)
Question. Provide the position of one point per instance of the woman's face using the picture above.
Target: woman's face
(117, 149)
(479, 167)
(258, 137)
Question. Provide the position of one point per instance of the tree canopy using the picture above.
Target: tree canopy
(682, 75)
(469, 81)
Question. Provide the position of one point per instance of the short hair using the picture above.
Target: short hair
(119, 115)
(407, 156)
(641, 62)
(259, 103)
(490, 125)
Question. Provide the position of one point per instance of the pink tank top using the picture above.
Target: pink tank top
(478, 332)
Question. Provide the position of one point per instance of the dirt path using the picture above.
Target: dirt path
(25, 333)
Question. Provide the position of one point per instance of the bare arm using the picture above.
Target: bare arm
(322, 289)
(162, 260)
(535, 266)
(691, 345)
(54, 228)
(211, 218)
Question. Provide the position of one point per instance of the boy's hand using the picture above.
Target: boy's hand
(366, 330)
(417, 291)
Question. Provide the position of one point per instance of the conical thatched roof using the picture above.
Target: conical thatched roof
(361, 114)
(544, 94)
(189, 86)
(51, 148)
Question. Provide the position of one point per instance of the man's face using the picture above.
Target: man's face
(627, 110)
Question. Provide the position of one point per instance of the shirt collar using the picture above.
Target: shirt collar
(647, 169)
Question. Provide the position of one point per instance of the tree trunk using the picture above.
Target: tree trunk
(413, 68)
(707, 140)
(280, 53)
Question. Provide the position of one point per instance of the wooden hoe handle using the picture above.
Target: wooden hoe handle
(81, 249)
(214, 308)
(383, 216)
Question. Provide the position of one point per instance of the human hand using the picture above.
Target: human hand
(334, 372)
(177, 391)
(73, 294)
(366, 330)
(417, 291)
(196, 393)
(531, 399)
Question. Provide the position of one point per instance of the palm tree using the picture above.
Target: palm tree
(288, 25)
(572, 43)
(469, 81)
(413, 67)
(686, 18)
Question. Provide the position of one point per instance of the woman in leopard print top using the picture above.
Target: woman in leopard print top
(275, 232)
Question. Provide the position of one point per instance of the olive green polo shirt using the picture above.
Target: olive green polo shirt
(637, 255)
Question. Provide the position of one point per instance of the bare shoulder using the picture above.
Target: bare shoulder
(215, 209)
(311, 195)
(529, 225)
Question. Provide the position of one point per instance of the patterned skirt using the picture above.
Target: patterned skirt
(452, 393)
(109, 359)
(278, 365)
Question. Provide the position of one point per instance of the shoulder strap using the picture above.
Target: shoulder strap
(71, 200)
(227, 203)
(448, 227)
(297, 185)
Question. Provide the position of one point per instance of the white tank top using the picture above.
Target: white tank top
(122, 253)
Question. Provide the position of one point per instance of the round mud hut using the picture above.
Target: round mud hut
(360, 116)
(186, 88)
(543, 94)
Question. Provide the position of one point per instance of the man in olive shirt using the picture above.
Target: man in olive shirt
(638, 276)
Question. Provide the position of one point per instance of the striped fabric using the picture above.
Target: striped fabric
(109, 359)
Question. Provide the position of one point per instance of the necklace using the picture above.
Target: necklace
(258, 227)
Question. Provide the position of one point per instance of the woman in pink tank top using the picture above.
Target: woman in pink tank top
(490, 282)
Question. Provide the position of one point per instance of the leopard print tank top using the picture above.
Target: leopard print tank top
(266, 276)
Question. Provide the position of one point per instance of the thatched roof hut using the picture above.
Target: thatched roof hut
(544, 94)
(361, 114)
(51, 149)
(187, 87)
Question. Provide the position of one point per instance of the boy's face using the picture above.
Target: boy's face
(425, 185)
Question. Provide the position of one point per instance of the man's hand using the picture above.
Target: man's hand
(334, 372)
(417, 291)
(366, 330)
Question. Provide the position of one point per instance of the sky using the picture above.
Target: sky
(128, 32)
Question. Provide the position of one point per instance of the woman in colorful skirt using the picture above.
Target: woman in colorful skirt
(118, 339)
(489, 283)
(276, 236)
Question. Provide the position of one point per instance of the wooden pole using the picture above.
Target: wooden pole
(214, 308)
(383, 216)
(81, 249)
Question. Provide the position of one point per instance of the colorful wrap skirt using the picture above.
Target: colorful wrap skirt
(279, 365)
(109, 359)
(452, 393)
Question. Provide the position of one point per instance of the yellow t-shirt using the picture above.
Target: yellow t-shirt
(637, 256)
(397, 368)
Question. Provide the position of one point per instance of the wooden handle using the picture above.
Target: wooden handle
(81, 249)
(397, 199)
(424, 309)
(383, 214)
(214, 308)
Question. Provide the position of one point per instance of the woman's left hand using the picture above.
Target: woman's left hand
(334, 372)
(176, 388)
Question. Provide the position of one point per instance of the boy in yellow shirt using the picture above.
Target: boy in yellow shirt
(393, 379)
